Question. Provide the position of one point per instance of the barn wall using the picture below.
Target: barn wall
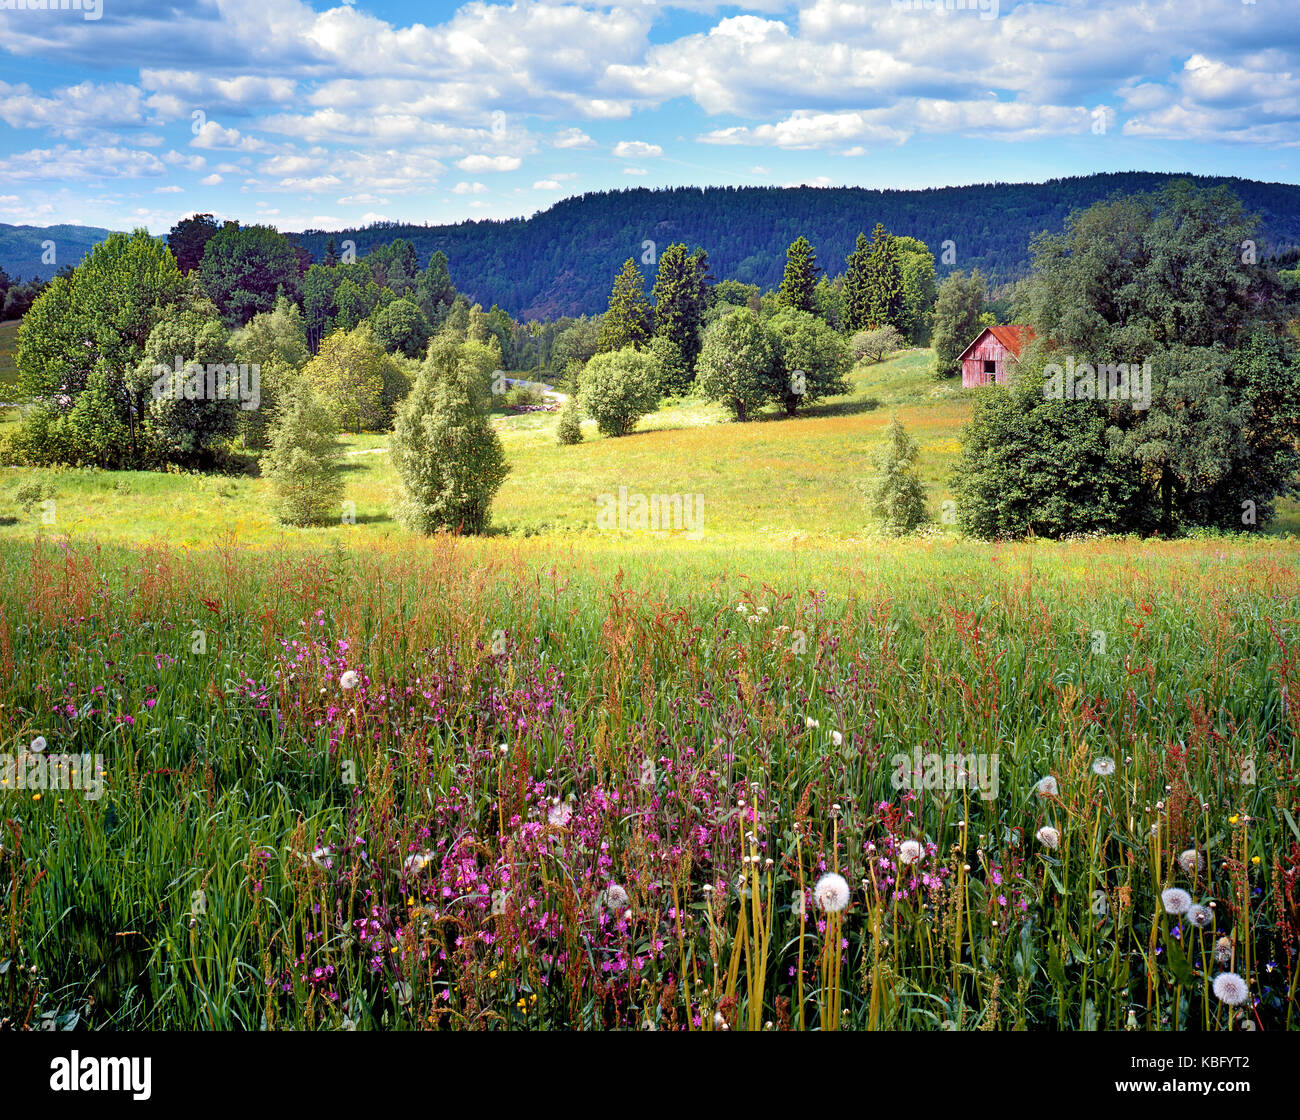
(972, 366)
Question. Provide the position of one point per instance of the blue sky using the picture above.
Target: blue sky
(329, 115)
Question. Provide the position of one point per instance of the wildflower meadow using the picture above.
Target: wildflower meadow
(507, 785)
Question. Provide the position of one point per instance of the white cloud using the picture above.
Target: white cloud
(636, 149)
(489, 163)
(572, 138)
(635, 171)
(210, 180)
(469, 188)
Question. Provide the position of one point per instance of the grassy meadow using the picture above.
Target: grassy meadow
(559, 778)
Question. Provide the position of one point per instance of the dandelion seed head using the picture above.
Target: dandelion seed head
(1175, 900)
(348, 680)
(1103, 767)
(909, 851)
(1046, 787)
(1230, 989)
(832, 893)
(1048, 836)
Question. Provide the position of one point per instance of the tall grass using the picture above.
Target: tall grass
(594, 785)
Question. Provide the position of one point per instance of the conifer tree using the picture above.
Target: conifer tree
(800, 279)
(627, 322)
(857, 297)
(884, 273)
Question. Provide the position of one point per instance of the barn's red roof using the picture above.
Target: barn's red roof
(1014, 336)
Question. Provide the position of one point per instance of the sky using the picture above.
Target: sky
(135, 113)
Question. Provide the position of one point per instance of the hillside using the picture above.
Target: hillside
(562, 261)
(21, 247)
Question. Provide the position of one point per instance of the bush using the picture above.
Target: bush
(305, 457)
(811, 359)
(446, 452)
(737, 366)
(569, 430)
(898, 496)
(874, 345)
(620, 387)
(357, 380)
(1031, 465)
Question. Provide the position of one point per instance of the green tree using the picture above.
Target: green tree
(189, 237)
(957, 314)
(569, 429)
(799, 282)
(884, 280)
(873, 345)
(627, 322)
(96, 320)
(897, 494)
(305, 461)
(857, 287)
(618, 388)
(919, 291)
(679, 298)
(275, 342)
(357, 380)
(737, 366)
(444, 448)
(245, 268)
(810, 359)
(401, 326)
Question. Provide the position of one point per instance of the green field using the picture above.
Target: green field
(772, 480)
(562, 778)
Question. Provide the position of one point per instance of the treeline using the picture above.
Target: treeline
(553, 263)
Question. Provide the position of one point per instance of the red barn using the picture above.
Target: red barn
(986, 358)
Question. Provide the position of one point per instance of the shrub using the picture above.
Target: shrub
(736, 365)
(357, 380)
(446, 452)
(569, 430)
(305, 458)
(620, 387)
(898, 496)
(811, 359)
(873, 345)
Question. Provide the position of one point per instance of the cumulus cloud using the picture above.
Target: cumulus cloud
(636, 149)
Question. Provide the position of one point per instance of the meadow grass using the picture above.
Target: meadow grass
(275, 848)
(562, 778)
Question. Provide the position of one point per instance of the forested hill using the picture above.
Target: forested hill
(22, 247)
(563, 260)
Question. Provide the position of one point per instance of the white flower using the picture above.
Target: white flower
(909, 851)
(1200, 915)
(762, 610)
(1175, 900)
(837, 738)
(1046, 787)
(38, 744)
(810, 723)
(417, 862)
(832, 892)
(1104, 767)
(615, 897)
(1231, 988)
(742, 608)
(1190, 861)
(752, 618)
(348, 680)
(321, 857)
(1048, 836)
(559, 813)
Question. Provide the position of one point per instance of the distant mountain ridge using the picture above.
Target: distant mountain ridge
(563, 260)
(22, 247)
